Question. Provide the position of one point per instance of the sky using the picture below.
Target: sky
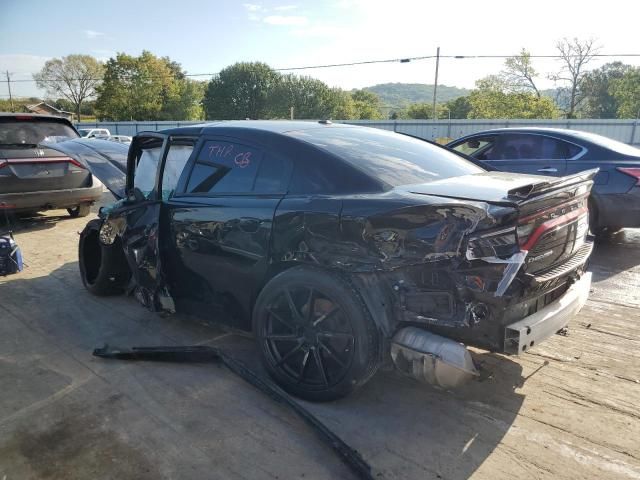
(206, 36)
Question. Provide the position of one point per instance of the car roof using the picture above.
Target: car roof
(270, 126)
(34, 115)
(550, 130)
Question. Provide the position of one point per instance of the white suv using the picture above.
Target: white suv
(94, 132)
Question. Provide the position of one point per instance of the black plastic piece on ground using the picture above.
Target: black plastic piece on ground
(200, 353)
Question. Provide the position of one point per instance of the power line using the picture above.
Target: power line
(352, 64)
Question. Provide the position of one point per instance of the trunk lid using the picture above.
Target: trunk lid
(552, 220)
(105, 159)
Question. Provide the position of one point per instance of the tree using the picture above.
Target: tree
(240, 91)
(367, 105)
(575, 54)
(626, 92)
(492, 99)
(309, 97)
(519, 73)
(74, 77)
(147, 88)
(597, 88)
(459, 107)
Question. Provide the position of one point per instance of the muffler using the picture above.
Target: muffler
(431, 358)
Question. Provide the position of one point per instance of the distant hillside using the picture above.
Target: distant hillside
(401, 94)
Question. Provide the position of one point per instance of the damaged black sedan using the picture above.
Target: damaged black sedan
(342, 247)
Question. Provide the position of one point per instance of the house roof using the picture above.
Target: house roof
(47, 107)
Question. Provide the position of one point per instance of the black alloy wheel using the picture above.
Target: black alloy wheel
(316, 336)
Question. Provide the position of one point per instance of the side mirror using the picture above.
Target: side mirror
(473, 144)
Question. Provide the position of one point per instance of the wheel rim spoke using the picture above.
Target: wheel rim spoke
(347, 336)
(318, 358)
(303, 366)
(310, 305)
(292, 306)
(333, 354)
(282, 336)
(280, 319)
(290, 353)
(322, 318)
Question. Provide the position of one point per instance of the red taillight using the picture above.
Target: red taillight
(550, 225)
(634, 172)
(24, 118)
(17, 161)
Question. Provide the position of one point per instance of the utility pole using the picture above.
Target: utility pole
(291, 112)
(9, 86)
(435, 85)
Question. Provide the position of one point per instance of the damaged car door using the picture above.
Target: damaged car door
(137, 220)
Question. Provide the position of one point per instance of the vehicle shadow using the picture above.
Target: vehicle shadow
(402, 428)
(31, 222)
(615, 253)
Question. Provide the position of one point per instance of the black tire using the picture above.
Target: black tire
(103, 268)
(320, 353)
(81, 210)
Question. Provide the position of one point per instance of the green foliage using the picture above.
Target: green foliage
(491, 99)
(147, 88)
(599, 101)
(241, 91)
(74, 77)
(18, 104)
(520, 75)
(459, 108)
(367, 105)
(309, 97)
(626, 93)
(254, 90)
(400, 95)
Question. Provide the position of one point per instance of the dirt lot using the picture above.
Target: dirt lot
(570, 409)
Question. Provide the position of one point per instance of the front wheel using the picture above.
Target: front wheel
(316, 336)
(103, 268)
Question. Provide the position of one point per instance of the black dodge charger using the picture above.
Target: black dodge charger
(340, 247)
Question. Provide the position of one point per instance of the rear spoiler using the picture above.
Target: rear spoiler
(549, 185)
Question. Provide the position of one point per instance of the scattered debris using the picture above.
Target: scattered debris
(199, 353)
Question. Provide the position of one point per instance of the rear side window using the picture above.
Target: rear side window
(273, 175)
(224, 167)
(30, 132)
(388, 157)
(532, 147)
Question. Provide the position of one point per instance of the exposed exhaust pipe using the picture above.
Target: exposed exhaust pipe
(431, 358)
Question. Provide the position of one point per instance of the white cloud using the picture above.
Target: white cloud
(285, 8)
(93, 34)
(286, 20)
(252, 7)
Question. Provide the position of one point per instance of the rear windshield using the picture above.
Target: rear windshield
(609, 143)
(33, 132)
(390, 157)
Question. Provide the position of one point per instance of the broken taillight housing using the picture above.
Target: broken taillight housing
(633, 172)
(500, 243)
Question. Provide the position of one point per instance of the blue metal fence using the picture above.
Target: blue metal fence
(624, 130)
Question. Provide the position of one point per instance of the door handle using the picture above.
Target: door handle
(249, 225)
(548, 170)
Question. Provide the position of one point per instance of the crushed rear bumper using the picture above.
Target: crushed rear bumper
(50, 199)
(535, 328)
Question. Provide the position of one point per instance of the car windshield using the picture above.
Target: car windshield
(390, 157)
(609, 143)
(30, 132)
(84, 131)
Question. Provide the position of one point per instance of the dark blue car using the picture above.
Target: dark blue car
(615, 198)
